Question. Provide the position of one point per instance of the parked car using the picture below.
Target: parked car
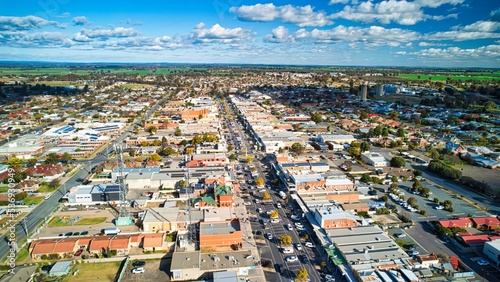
(139, 263)
(413, 253)
(291, 259)
(439, 207)
(269, 236)
(399, 235)
(483, 262)
(309, 244)
(289, 227)
(138, 270)
(84, 233)
(77, 253)
(304, 259)
(76, 234)
(275, 220)
(298, 246)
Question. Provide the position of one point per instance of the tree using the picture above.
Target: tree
(365, 146)
(131, 153)
(66, 157)
(286, 240)
(417, 173)
(394, 179)
(412, 201)
(447, 204)
(182, 184)
(398, 162)
(184, 142)
(417, 185)
(366, 178)
(259, 181)
(152, 130)
(281, 150)
(249, 159)
(393, 115)
(297, 148)
(401, 132)
(435, 200)
(384, 198)
(15, 162)
(230, 148)
(168, 151)
(266, 196)
(52, 158)
(157, 143)
(317, 117)
(302, 274)
(273, 214)
(32, 161)
(426, 192)
(232, 157)
(154, 157)
(178, 132)
(54, 183)
(490, 105)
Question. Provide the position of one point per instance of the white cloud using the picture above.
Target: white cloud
(495, 15)
(25, 23)
(400, 52)
(301, 16)
(371, 36)
(427, 44)
(484, 52)
(332, 2)
(279, 35)
(398, 11)
(217, 33)
(437, 3)
(81, 20)
(107, 33)
(474, 31)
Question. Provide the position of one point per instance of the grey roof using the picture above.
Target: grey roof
(61, 267)
(185, 260)
(219, 228)
(168, 214)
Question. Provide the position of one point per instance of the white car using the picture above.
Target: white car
(413, 253)
(247, 203)
(298, 246)
(48, 196)
(309, 244)
(291, 259)
(439, 207)
(287, 251)
(298, 224)
(259, 210)
(483, 262)
(269, 236)
(138, 270)
(289, 227)
(275, 220)
(400, 235)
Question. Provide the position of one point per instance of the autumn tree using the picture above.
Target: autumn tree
(286, 240)
(273, 214)
(266, 196)
(259, 181)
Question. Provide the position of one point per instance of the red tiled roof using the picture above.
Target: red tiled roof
(153, 240)
(486, 220)
(99, 243)
(44, 170)
(460, 222)
(119, 242)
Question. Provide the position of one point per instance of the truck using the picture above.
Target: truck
(111, 231)
(282, 194)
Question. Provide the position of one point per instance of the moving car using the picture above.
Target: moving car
(47, 197)
(77, 253)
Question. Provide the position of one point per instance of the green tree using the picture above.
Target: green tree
(490, 105)
(31, 162)
(182, 184)
(398, 162)
(286, 240)
(394, 179)
(15, 162)
(317, 117)
(66, 157)
(417, 185)
(154, 157)
(152, 130)
(178, 132)
(366, 178)
(169, 151)
(393, 115)
(54, 183)
(297, 148)
(411, 201)
(302, 275)
(184, 142)
(384, 198)
(365, 146)
(52, 158)
(447, 204)
(131, 153)
(157, 143)
(401, 132)
(232, 157)
(230, 148)
(435, 200)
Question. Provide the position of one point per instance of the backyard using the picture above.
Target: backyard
(102, 271)
(71, 221)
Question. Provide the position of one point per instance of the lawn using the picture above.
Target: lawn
(58, 221)
(22, 255)
(4, 188)
(103, 271)
(45, 188)
(33, 200)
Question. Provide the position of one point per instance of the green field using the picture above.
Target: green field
(482, 76)
(65, 71)
(102, 271)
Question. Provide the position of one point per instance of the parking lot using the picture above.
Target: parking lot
(154, 270)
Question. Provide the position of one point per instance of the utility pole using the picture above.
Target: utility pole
(25, 226)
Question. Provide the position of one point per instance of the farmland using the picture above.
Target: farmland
(40, 71)
(455, 76)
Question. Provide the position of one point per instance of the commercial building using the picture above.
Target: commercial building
(492, 251)
(374, 159)
(330, 217)
(93, 194)
(220, 234)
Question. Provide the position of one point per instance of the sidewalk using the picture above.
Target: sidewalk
(248, 239)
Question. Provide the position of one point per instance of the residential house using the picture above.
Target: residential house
(486, 222)
(463, 222)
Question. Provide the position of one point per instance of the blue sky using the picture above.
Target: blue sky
(433, 33)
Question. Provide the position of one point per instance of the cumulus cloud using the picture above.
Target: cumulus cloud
(109, 33)
(39, 39)
(25, 23)
(217, 33)
(372, 36)
(332, 2)
(402, 12)
(81, 20)
(279, 35)
(489, 51)
(299, 15)
(427, 44)
(474, 31)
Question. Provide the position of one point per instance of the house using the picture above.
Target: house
(53, 247)
(119, 243)
(463, 222)
(486, 222)
(154, 241)
(27, 186)
(47, 172)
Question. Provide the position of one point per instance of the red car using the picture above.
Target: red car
(79, 252)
